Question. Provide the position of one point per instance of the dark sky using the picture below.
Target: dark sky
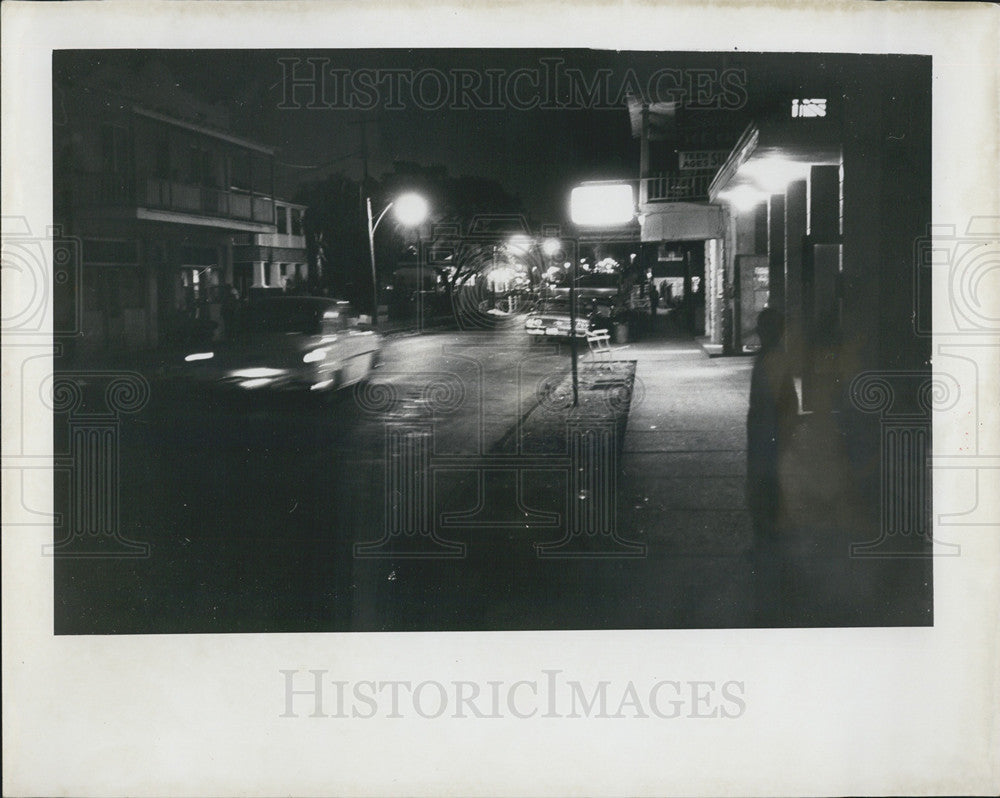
(537, 121)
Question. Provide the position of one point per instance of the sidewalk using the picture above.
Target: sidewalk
(681, 493)
(681, 490)
(684, 451)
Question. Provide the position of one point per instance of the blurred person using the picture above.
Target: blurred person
(771, 421)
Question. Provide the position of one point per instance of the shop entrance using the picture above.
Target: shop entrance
(675, 288)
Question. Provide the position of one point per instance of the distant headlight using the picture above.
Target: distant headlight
(257, 383)
(199, 356)
(316, 354)
(257, 374)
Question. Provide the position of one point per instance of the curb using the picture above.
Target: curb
(619, 416)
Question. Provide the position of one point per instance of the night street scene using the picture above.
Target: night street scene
(490, 340)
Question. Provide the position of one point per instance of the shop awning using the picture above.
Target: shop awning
(769, 155)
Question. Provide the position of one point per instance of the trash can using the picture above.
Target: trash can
(621, 333)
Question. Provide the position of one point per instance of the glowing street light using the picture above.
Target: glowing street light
(595, 205)
(520, 243)
(602, 204)
(411, 210)
(773, 173)
(551, 247)
(743, 198)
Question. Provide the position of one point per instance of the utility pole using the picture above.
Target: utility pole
(365, 210)
(572, 333)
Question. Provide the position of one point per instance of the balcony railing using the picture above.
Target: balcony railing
(675, 188)
(109, 190)
(282, 240)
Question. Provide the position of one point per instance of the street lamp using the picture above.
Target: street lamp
(743, 197)
(600, 205)
(411, 210)
(551, 247)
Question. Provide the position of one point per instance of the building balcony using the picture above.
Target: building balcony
(277, 240)
(152, 197)
(675, 187)
(675, 207)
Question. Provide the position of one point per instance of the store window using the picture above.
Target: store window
(296, 222)
(196, 286)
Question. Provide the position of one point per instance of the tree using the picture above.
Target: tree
(336, 237)
(470, 216)
(478, 209)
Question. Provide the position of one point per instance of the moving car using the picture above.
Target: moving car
(289, 343)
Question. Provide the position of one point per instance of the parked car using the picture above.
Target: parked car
(551, 317)
(287, 343)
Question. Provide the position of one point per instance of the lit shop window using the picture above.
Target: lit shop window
(804, 108)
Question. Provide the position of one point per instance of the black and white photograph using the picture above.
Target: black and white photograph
(376, 383)
(436, 340)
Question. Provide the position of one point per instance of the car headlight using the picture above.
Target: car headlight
(316, 354)
(260, 382)
(257, 374)
(533, 323)
(199, 356)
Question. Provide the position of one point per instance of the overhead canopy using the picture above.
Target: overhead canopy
(774, 154)
(628, 234)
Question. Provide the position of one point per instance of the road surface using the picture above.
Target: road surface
(253, 511)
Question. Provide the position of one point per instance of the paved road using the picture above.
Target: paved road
(252, 510)
(254, 513)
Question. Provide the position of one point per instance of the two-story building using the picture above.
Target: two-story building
(818, 210)
(680, 227)
(273, 261)
(169, 211)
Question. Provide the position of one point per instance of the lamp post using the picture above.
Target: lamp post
(411, 210)
(599, 205)
(552, 247)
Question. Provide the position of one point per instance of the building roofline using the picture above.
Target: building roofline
(740, 153)
(207, 131)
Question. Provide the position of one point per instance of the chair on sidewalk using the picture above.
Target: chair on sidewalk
(601, 353)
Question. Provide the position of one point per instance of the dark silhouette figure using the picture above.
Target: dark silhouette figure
(771, 421)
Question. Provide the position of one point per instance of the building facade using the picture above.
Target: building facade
(818, 210)
(814, 209)
(170, 213)
(273, 261)
(680, 226)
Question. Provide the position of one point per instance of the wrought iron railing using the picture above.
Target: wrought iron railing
(675, 187)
